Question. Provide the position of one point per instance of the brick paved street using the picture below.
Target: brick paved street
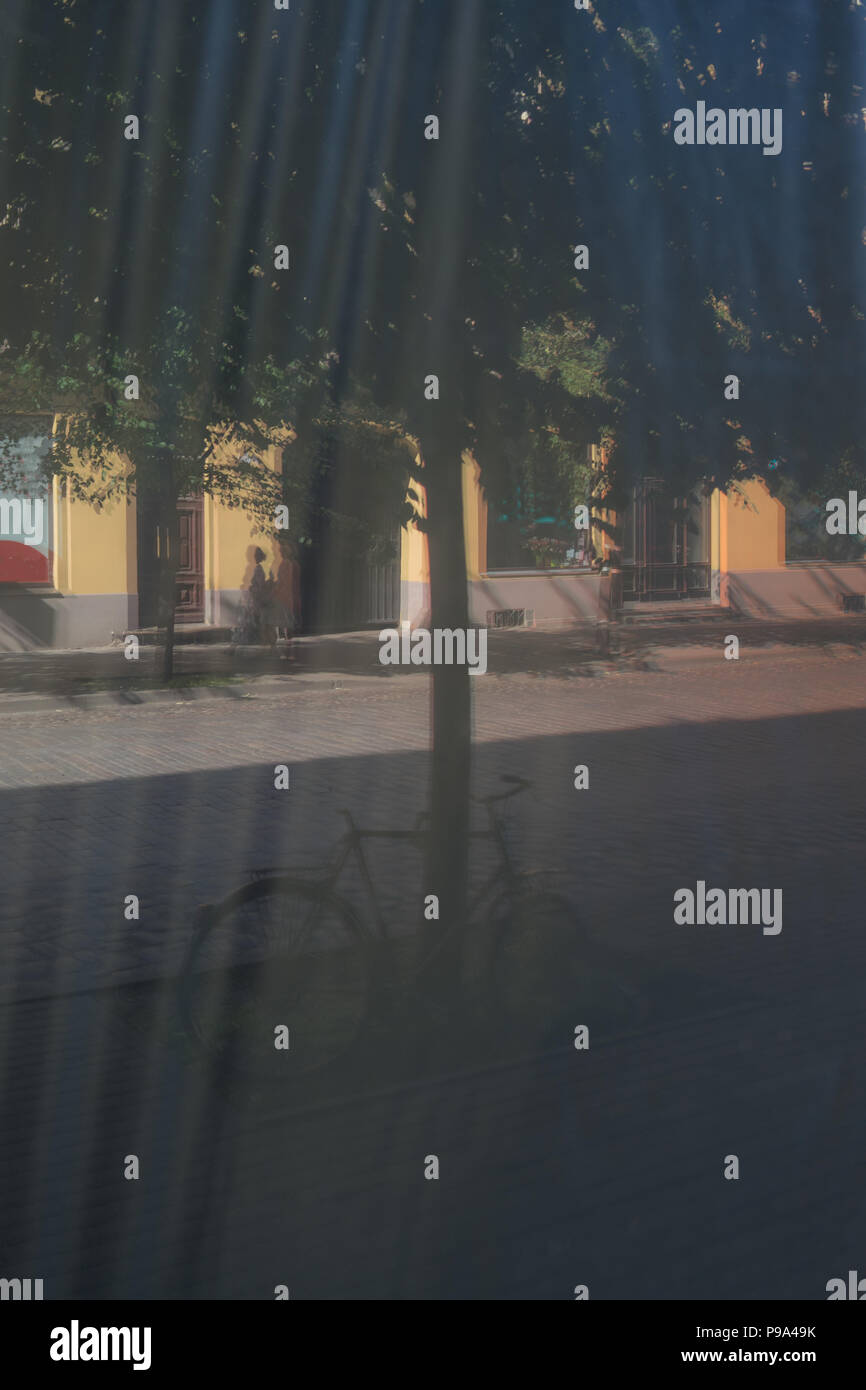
(602, 1167)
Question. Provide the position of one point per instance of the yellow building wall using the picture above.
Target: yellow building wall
(95, 550)
(230, 539)
(474, 519)
(718, 532)
(414, 556)
(414, 552)
(752, 529)
(601, 540)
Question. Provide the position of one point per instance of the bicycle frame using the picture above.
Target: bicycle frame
(500, 883)
(351, 846)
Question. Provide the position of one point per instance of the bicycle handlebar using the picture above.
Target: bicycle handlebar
(520, 784)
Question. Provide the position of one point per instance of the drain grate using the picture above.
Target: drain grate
(511, 617)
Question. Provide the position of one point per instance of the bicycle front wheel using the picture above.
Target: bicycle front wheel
(275, 981)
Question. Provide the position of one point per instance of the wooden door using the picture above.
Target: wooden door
(189, 589)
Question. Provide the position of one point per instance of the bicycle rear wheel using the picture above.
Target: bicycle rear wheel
(280, 960)
(548, 974)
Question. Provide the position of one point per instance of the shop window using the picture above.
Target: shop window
(544, 544)
(26, 520)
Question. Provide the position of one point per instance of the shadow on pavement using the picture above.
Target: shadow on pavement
(601, 1165)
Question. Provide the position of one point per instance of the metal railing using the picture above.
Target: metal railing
(616, 590)
(664, 581)
(383, 594)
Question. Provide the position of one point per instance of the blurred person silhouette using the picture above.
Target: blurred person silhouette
(286, 594)
(254, 613)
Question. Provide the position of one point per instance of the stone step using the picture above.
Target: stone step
(185, 634)
(674, 611)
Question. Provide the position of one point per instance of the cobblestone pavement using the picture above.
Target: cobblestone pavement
(603, 1167)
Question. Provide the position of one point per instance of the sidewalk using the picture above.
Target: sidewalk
(103, 676)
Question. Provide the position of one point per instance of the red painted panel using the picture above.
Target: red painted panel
(22, 564)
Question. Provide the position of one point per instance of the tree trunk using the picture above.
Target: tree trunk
(448, 853)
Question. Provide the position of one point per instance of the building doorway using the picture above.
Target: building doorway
(153, 541)
(665, 545)
(350, 561)
(189, 584)
(344, 590)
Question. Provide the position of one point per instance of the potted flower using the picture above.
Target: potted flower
(549, 551)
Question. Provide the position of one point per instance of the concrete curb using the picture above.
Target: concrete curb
(55, 702)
